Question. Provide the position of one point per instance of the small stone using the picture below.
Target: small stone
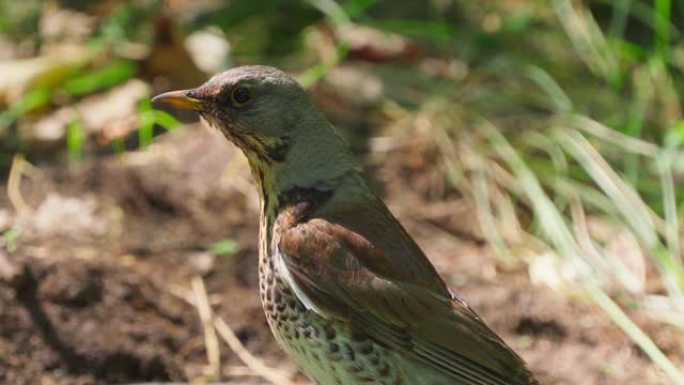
(202, 262)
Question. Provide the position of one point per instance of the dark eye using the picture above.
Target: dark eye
(241, 96)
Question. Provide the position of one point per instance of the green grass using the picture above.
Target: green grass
(571, 165)
(590, 129)
(10, 238)
(75, 140)
(112, 73)
(146, 124)
(224, 247)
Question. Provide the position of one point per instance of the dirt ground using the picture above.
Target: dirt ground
(93, 292)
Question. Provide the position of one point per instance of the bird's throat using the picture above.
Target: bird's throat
(268, 199)
(264, 180)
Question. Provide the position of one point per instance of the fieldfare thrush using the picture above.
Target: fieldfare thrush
(346, 291)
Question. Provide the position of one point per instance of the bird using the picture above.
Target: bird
(347, 292)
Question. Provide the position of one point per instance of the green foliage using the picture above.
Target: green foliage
(75, 140)
(583, 119)
(112, 73)
(27, 103)
(262, 28)
(19, 19)
(146, 125)
(74, 80)
(150, 117)
(10, 237)
(129, 22)
(165, 120)
(224, 247)
(429, 30)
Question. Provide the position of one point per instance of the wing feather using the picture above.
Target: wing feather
(348, 276)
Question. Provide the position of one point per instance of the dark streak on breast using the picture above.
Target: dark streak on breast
(296, 195)
(300, 204)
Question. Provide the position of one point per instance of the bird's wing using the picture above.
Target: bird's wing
(349, 275)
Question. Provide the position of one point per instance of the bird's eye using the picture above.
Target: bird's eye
(241, 96)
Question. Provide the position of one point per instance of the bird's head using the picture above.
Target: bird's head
(272, 119)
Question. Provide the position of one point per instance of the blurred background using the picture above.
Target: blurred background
(534, 149)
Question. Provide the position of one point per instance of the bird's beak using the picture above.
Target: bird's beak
(180, 99)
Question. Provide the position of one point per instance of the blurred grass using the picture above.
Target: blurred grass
(75, 140)
(112, 73)
(622, 170)
(224, 247)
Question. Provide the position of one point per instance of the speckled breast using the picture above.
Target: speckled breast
(327, 351)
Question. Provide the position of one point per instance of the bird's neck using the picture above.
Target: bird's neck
(268, 199)
(277, 193)
(315, 164)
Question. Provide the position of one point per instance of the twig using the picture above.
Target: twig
(13, 185)
(487, 220)
(258, 368)
(206, 315)
(256, 365)
(237, 371)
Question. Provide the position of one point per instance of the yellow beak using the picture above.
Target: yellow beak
(179, 99)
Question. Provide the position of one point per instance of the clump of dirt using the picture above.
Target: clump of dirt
(104, 304)
(92, 321)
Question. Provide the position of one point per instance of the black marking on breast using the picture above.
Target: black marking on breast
(302, 202)
(300, 194)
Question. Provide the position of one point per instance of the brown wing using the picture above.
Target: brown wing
(387, 289)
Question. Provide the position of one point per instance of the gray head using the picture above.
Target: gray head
(268, 115)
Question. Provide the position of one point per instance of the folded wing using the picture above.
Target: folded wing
(346, 274)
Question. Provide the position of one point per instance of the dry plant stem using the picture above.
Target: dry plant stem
(188, 347)
(487, 219)
(582, 234)
(19, 167)
(237, 371)
(564, 242)
(594, 128)
(253, 363)
(258, 368)
(608, 264)
(670, 204)
(633, 145)
(630, 206)
(627, 200)
(206, 315)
